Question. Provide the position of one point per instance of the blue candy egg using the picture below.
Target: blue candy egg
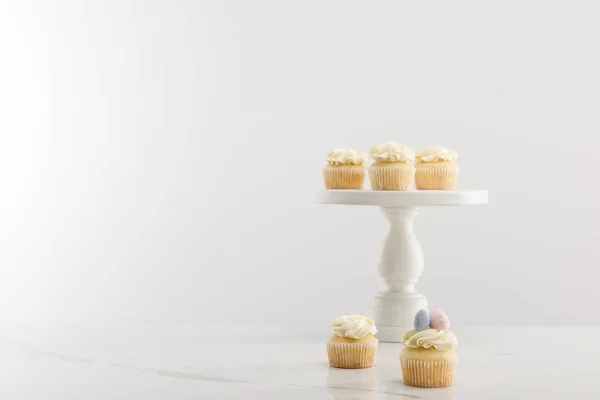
(422, 320)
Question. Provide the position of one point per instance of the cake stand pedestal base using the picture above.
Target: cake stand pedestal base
(400, 267)
(401, 262)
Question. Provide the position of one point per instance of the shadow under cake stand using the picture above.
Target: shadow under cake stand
(401, 258)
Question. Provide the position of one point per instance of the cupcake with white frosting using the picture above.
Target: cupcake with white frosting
(353, 344)
(345, 169)
(436, 169)
(392, 168)
(429, 358)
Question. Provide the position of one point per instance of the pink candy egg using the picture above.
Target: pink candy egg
(439, 320)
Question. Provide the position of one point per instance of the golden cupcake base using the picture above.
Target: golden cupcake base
(351, 355)
(344, 177)
(427, 374)
(391, 176)
(427, 368)
(436, 176)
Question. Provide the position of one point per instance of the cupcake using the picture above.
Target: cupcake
(345, 169)
(392, 168)
(436, 169)
(352, 344)
(428, 359)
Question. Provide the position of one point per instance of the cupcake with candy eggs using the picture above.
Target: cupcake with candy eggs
(353, 344)
(392, 168)
(345, 169)
(436, 169)
(428, 358)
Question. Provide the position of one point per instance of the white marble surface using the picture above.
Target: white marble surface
(273, 362)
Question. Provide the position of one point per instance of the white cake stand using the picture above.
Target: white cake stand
(401, 258)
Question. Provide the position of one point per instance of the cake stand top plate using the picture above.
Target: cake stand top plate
(408, 198)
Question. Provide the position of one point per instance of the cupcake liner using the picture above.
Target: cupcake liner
(427, 374)
(437, 178)
(341, 177)
(391, 177)
(351, 355)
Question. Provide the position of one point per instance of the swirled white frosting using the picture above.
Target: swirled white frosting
(393, 152)
(346, 157)
(440, 340)
(353, 326)
(436, 154)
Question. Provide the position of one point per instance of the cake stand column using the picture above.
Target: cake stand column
(400, 268)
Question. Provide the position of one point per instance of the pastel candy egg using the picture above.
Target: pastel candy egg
(422, 320)
(439, 320)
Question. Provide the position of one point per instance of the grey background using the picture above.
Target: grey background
(159, 159)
